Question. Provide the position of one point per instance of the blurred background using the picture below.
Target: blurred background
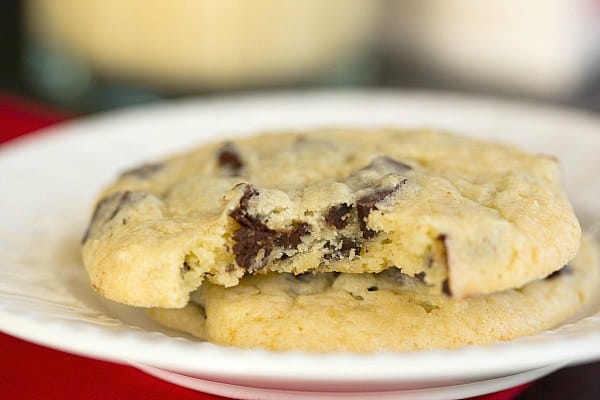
(91, 55)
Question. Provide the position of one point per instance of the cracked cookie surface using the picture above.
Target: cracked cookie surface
(466, 217)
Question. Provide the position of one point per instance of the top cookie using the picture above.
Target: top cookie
(465, 216)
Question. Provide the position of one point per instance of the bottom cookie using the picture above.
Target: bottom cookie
(371, 312)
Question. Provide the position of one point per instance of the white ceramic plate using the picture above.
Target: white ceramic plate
(49, 181)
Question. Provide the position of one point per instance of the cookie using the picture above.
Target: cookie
(465, 216)
(383, 311)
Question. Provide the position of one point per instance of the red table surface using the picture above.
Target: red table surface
(29, 371)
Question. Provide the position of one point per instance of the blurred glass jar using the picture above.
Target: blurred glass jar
(185, 46)
(544, 48)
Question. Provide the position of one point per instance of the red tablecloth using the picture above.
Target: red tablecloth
(29, 371)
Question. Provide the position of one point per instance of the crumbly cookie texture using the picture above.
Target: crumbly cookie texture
(371, 312)
(466, 217)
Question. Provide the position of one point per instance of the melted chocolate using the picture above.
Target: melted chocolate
(338, 215)
(254, 237)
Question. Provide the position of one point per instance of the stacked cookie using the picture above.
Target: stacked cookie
(344, 240)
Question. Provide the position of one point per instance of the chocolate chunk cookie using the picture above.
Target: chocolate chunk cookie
(461, 216)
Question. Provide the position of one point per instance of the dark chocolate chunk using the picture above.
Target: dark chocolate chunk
(240, 214)
(430, 261)
(338, 215)
(95, 216)
(291, 239)
(249, 242)
(109, 207)
(389, 163)
(565, 270)
(446, 287)
(184, 269)
(143, 171)
(382, 165)
(253, 236)
(442, 237)
(349, 244)
(343, 249)
(300, 139)
(420, 276)
(366, 204)
(126, 198)
(229, 158)
(372, 289)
